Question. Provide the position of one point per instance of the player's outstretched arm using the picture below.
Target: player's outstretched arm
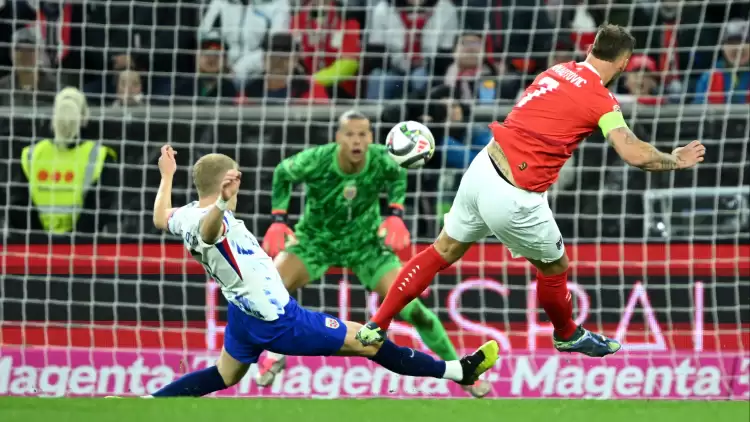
(646, 157)
(212, 224)
(163, 202)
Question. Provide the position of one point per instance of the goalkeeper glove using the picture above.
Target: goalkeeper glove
(276, 235)
(394, 231)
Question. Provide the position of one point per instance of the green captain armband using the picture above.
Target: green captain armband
(610, 121)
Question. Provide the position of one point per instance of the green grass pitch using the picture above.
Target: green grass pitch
(372, 410)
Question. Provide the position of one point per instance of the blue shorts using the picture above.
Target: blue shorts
(298, 332)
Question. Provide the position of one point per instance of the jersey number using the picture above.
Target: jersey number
(546, 84)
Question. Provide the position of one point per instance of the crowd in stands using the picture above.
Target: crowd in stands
(239, 51)
(441, 58)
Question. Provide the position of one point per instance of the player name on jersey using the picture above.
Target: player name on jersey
(569, 75)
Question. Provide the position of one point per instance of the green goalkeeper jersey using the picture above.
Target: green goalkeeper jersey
(340, 208)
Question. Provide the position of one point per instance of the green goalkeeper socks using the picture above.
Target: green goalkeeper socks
(430, 329)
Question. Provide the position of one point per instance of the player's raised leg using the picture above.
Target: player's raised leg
(554, 297)
(427, 324)
(523, 222)
(413, 279)
(463, 228)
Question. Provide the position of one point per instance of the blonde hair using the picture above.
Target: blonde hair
(71, 112)
(209, 171)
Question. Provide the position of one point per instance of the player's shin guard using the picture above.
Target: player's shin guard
(410, 362)
(553, 296)
(412, 280)
(194, 384)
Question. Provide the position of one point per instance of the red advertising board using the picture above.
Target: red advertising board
(656, 284)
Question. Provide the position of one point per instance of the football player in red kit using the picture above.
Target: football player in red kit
(503, 193)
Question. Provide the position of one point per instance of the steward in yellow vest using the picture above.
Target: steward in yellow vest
(60, 178)
(66, 177)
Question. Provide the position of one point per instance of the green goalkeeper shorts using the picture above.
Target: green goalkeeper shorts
(368, 259)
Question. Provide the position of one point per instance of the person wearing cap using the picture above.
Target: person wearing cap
(212, 81)
(729, 81)
(641, 81)
(28, 83)
(284, 78)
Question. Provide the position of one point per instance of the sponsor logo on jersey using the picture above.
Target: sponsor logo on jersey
(350, 192)
(332, 323)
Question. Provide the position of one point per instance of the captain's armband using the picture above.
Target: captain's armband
(610, 121)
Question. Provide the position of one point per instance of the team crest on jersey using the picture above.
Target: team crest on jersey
(350, 192)
(332, 323)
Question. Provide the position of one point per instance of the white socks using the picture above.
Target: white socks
(453, 370)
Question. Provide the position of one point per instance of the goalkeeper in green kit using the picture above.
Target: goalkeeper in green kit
(342, 227)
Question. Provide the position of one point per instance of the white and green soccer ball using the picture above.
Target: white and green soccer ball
(410, 144)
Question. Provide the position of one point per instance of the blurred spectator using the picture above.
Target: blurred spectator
(61, 175)
(450, 121)
(212, 81)
(729, 82)
(28, 83)
(641, 81)
(564, 52)
(86, 41)
(14, 15)
(129, 89)
(284, 77)
(471, 74)
(410, 42)
(243, 26)
(330, 42)
(529, 38)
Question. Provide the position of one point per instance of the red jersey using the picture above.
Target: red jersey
(325, 38)
(555, 113)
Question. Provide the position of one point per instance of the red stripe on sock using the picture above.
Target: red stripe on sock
(415, 276)
(553, 296)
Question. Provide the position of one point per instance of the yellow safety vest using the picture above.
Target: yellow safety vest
(59, 179)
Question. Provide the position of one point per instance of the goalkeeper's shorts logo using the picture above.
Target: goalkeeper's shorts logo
(350, 192)
(332, 323)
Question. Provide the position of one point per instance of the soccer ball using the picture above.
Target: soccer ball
(410, 144)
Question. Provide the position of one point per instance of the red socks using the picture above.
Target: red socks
(417, 274)
(412, 280)
(553, 295)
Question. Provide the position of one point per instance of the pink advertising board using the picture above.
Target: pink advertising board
(58, 372)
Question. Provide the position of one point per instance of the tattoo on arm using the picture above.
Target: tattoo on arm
(640, 154)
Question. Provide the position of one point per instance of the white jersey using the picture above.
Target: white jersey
(247, 276)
